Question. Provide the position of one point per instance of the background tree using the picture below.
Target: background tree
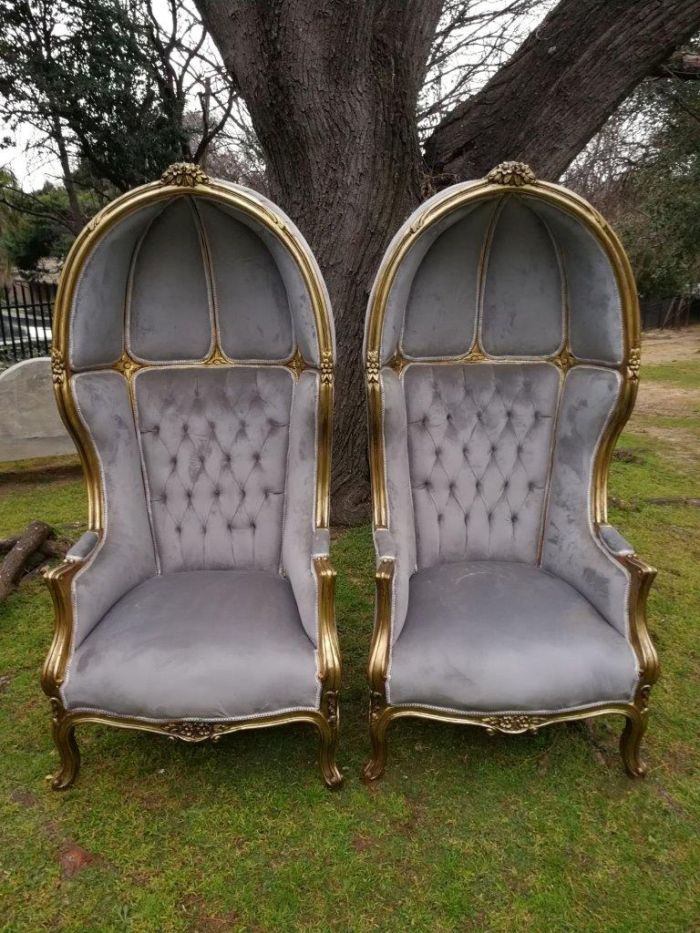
(113, 87)
(332, 87)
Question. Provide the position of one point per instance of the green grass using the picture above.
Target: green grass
(465, 832)
(685, 374)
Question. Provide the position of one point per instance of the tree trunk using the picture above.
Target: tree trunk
(556, 92)
(14, 565)
(332, 85)
(331, 88)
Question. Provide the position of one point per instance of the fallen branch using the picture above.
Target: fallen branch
(13, 567)
(674, 500)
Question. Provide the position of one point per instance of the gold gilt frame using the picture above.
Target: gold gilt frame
(185, 180)
(503, 181)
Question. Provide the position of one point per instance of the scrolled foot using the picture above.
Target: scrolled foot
(64, 738)
(630, 742)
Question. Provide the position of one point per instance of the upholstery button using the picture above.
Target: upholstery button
(178, 529)
(493, 448)
(506, 484)
(519, 448)
(478, 484)
(185, 428)
(217, 492)
(242, 493)
(189, 493)
(256, 457)
(156, 429)
(229, 526)
(466, 517)
(252, 525)
(452, 487)
(478, 415)
(440, 516)
(202, 458)
(438, 451)
(514, 518)
(428, 484)
(530, 486)
(424, 421)
(465, 450)
(449, 417)
(173, 461)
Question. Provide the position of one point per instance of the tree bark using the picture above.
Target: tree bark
(331, 88)
(556, 92)
(332, 85)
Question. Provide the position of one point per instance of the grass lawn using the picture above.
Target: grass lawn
(465, 831)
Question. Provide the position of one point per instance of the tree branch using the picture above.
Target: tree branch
(561, 85)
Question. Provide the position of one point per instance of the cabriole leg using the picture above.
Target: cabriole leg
(630, 742)
(328, 728)
(64, 738)
(378, 724)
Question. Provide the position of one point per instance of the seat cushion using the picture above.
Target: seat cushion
(210, 644)
(494, 635)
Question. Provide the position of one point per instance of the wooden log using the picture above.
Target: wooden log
(14, 565)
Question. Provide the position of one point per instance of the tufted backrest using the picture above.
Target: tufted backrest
(492, 303)
(479, 448)
(196, 324)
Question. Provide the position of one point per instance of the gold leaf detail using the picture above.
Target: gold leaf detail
(513, 722)
(512, 173)
(565, 360)
(184, 175)
(216, 357)
(195, 731)
(58, 367)
(127, 366)
(327, 367)
(373, 367)
(634, 363)
(398, 362)
(476, 355)
(297, 363)
(332, 706)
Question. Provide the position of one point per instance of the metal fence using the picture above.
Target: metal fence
(26, 310)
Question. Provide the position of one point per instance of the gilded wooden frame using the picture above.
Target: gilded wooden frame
(503, 181)
(185, 180)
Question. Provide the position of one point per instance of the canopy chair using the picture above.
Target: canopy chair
(193, 366)
(502, 349)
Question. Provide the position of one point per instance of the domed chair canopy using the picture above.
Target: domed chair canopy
(502, 348)
(193, 363)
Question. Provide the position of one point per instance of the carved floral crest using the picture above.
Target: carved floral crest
(373, 366)
(512, 173)
(184, 175)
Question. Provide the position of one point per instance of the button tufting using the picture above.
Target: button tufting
(252, 525)
(185, 428)
(514, 518)
(173, 461)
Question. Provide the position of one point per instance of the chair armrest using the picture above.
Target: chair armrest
(321, 543)
(384, 545)
(614, 541)
(83, 547)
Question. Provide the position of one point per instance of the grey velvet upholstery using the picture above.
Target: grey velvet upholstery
(214, 447)
(197, 597)
(125, 555)
(506, 596)
(213, 644)
(479, 449)
(495, 635)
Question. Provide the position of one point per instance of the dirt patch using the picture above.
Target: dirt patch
(74, 858)
(679, 445)
(662, 398)
(671, 346)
